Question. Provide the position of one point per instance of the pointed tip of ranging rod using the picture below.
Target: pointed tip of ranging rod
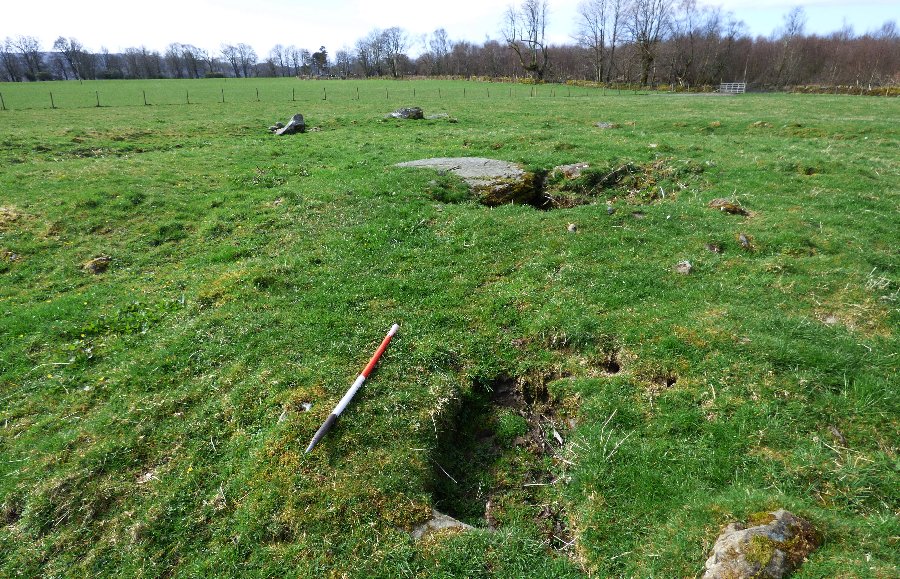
(352, 391)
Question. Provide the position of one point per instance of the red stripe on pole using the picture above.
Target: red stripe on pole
(379, 351)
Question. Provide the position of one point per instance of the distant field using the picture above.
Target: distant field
(117, 93)
(555, 382)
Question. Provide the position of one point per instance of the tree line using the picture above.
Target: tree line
(642, 42)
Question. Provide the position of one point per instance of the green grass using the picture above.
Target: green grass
(152, 419)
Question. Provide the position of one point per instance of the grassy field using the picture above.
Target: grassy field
(590, 410)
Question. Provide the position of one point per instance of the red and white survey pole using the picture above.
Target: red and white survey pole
(353, 389)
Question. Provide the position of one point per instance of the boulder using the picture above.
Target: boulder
(413, 113)
(493, 182)
(438, 522)
(295, 125)
(770, 547)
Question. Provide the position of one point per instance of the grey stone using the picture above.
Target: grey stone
(607, 125)
(572, 171)
(413, 113)
(438, 522)
(495, 182)
(771, 549)
(295, 125)
(684, 267)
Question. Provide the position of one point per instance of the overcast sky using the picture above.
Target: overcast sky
(118, 24)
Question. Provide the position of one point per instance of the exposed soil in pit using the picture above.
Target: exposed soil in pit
(495, 460)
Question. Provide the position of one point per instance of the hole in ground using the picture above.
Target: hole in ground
(493, 460)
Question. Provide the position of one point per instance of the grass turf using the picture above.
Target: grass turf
(152, 417)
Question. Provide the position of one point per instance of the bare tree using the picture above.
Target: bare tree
(12, 70)
(343, 60)
(279, 58)
(794, 23)
(440, 46)
(395, 42)
(598, 24)
(241, 57)
(30, 49)
(174, 60)
(524, 31)
(647, 24)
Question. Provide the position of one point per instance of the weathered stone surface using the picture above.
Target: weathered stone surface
(413, 113)
(295, 125)
(572, 171)
(494, 182)
(607, 125)
(684, 267)
(438, 522)
(728, 206)
(97, 265)
(770, 549)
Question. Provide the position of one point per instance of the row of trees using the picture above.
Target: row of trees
(675, 42)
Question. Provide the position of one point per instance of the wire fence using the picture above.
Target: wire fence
(80, 96)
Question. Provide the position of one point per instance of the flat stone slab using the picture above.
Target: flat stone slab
(476, 171)
(493, 182)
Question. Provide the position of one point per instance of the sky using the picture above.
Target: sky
(336, 24)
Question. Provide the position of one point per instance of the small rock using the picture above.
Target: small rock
(745, 241)
(572, 171)
(276, 126)
(438, 522)
(727, 206)
(572, 228)
(295, 125)
(97, 265)
(838, 435)
(714, 247)
(770, 550)
(684, 267)
(607, 125)
(610, 209)
(412, 113)
(638, 214)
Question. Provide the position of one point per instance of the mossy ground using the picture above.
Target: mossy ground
(152, 417)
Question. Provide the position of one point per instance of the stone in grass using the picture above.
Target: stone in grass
(412, 113)
(607, 125)
(728, 206)
(684, 267)
(438, 522)
(295, 125)
(494, 182)
(572, 171)
(97, 265)
(770, 547)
